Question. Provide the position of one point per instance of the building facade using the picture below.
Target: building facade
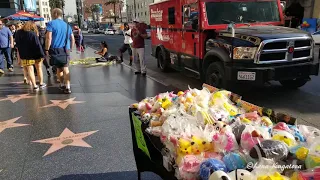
(43, 9)
(8, 7)
(139, 9)
(105, 15)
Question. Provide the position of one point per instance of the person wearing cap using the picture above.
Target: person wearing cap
(127, 43)
(138, 34)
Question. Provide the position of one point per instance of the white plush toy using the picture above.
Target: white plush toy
(239, 174)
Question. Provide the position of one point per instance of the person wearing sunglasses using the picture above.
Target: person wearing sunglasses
(6, 44)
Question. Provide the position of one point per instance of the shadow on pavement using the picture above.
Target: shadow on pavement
(128, 175)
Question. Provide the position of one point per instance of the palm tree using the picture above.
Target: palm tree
(56, 4)
(95, 9)
(114, 3)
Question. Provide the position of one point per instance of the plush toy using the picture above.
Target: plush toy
(234, 161)
(300, 152)
(270, 149)
(197, 146)
(239, 174)
(285, 137)
(281, 126)
(253, 135)
(184, 148)
(146, 117)
(225, 142)
(311, 133)
(297, 134)
(313, 158)
(219, 114)
(275, 176)
(220, 127)
(209, 166)
(190, 167)
(231, 109)
(265, 121)
(237, 130)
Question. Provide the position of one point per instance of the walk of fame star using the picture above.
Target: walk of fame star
(10, 124)
(63, 104)
(15, 98)
(66, 138)
(18, 82)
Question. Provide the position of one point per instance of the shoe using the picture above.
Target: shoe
(137, 72)
(130, 64)
(25, 81)
(48, 72)
(144, 74)
(1, 71)
(67, 91)
(36, 88)
(42, 86)
(10, 69)
(62, 88)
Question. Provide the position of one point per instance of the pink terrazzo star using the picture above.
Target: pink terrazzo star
(10, 124)
(63, 104)
(66, 138)
(19, 82)
(15, 98)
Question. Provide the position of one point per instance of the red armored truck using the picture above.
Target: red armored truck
(230, 41)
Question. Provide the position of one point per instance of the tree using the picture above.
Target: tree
(56, 4)
(114, 3)
(95, 10)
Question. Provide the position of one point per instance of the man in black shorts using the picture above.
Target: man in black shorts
(127, 43)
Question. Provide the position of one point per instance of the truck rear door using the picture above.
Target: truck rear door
(190, 36)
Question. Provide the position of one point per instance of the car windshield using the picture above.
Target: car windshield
(242, 12)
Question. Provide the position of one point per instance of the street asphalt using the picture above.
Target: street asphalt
(303, 103)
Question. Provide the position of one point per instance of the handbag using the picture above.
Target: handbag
(59, 56)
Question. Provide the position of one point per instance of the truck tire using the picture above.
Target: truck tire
(215, 75)
(163, 61)
(294, 83)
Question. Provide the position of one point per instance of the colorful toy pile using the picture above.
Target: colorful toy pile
(212, 134)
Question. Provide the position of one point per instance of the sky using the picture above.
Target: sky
(70, 7)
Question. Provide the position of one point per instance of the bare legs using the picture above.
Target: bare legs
(63, 74)
(38, 66)
(31, 75)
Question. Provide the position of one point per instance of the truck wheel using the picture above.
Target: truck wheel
(294, 84)
(215, 74)
(163, 61)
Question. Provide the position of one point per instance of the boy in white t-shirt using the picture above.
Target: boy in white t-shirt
(127, 43)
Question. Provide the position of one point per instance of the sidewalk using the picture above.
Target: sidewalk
(85, 135)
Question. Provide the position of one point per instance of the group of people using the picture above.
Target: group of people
(133, 43)
(36, 46)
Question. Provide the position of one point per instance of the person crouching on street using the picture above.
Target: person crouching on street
(30, 52)
(103, 52)
(127, 43)
(138, 34)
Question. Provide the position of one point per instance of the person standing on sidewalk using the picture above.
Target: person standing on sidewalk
(42, 38)
(138, 34)
(77, 33)
(59, 43)
(127, 43)
(30, 53)
(6, 44)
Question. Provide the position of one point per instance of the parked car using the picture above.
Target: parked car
(118, 32)
(109, 32)
(96, 31)
(149, 33)
(90, 30)
(101, 30)
(316, 37)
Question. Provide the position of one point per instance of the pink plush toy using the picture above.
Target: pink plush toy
(224, 142)
(253, 116)
(281, 126)
(248, 140)
(190, 167)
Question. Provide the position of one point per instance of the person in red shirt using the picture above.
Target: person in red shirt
(138, 34)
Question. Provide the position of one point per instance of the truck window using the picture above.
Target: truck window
(240, 12)
(171, 12)
(190, 19)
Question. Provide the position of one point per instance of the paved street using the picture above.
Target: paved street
(303, 103)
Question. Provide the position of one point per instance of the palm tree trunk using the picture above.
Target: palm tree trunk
(114, 10)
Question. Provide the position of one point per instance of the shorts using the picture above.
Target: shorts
(30, 62)
(126, 47)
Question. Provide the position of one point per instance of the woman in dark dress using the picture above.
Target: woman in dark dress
(31, 53)
(42, 38)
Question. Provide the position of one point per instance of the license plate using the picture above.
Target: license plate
(246, 76)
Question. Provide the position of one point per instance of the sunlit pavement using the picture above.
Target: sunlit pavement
(84, 135)
(303, 103)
